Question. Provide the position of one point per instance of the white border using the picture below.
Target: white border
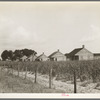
(49, 95)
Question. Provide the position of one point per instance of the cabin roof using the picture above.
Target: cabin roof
(96, 54)
(54, 53)
(42, 56)
(72, 53)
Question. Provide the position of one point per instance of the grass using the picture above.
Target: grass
(15, 84)
(85, 83)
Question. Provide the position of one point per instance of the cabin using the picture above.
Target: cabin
(80, 54)
(32, 57)
(17, 60)
(57, 56)
(24, 58)
(96, 56)
(42, 57)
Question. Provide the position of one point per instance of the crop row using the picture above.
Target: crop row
(84, 70)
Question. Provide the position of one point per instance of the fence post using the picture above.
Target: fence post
(12, 70)
(18, 70)
(8, 69)
(25, 72)
(22, 70)
(75, 88)
(35, 81)
(1, 71)
(50, 78)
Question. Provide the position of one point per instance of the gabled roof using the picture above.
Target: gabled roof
(56, 52)
(75, 51)
(96, 54)
(32, 56)
(23, 57)
(72, 53)
(42, 56)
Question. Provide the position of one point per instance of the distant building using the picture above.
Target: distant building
(42, 57)
(24, 58)
(32, 57)
(96, 55)
(80, 54)
(16, 60)
(8, 59)
(57, 56)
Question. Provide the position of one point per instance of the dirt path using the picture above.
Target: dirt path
(67, 87)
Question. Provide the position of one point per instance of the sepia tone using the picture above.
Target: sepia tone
(49, 47)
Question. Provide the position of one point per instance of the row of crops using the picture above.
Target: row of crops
(84, 70)
(66, 71)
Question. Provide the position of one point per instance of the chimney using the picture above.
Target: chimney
(83, 46)
(43, 52)
(58, 49)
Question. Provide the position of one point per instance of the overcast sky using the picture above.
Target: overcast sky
(46, 27)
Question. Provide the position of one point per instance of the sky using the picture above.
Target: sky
(49, 26)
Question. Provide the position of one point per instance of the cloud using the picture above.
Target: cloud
(15, 35)
(21, 37)
(93, 35)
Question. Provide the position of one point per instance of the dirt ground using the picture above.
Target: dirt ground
(15, 84)
(42, 85)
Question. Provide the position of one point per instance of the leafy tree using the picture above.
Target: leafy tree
(28, 52)
(7, 55)
(17, 54)
(4, 55)
(10, 54)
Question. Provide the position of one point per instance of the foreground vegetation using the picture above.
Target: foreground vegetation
(84, 70)
(66, 71)
(15, 84)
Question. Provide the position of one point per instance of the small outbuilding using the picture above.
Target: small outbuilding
(57, 56)
(96, 55)
(32, 57)
(24, 58)
(42, 57)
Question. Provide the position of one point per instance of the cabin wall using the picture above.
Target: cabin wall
(84, 54)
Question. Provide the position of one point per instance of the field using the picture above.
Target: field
(50, 77)
(15, 84)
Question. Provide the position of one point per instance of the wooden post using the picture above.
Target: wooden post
(35, 81)
(50, 78)
(75, 88)
(22, 70)
(25, 72)
(8, 69)
(1, 72)
(18, 70)
(12, 70)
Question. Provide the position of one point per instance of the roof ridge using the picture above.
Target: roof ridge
(73, 52)
(42, 55)
(55, 53)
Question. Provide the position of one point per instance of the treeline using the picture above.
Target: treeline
(13, 55)
(84, 70)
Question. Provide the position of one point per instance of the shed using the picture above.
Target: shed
(57, 56)
(42, 57)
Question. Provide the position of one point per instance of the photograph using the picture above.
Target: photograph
(50, 49)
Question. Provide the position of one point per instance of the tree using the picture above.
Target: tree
(7, 55)
(10, 54)
(28, 52)
(17, 54)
